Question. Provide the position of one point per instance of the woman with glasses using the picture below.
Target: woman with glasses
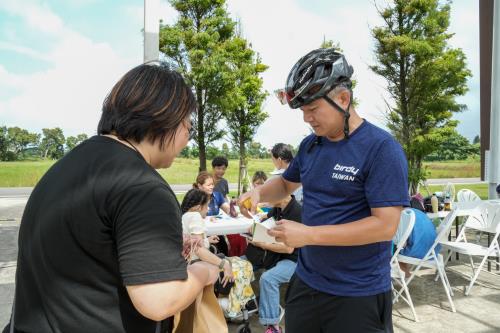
(100, 242)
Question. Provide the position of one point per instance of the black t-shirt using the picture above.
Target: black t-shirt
(101, 218)
(292, 212)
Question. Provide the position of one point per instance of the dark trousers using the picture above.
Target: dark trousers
(312, 311)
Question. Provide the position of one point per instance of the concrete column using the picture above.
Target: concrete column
(494, 158)
(151, 30)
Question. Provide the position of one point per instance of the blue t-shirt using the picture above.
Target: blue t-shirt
(421, 238)
(341, 182)
(215, 202)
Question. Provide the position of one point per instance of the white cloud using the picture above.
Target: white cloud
(36, 14)
(70, 92)
(23, 50)
(284, 31)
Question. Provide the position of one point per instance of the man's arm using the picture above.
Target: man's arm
(278, 248)
(274, 190)
(381, 226)
(158, 301)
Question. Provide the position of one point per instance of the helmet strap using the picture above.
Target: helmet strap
(346, 113)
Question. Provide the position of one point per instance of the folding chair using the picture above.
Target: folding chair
(486, 218)
(432, 259)
(467, 195)
(406, 224)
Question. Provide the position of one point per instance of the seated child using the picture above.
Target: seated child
(194, 208)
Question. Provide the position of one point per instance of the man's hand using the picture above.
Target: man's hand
(292, 234)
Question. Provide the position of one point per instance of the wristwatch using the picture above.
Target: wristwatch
(222, 263)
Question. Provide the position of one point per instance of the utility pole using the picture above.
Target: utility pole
(494, 156)
(151, 30)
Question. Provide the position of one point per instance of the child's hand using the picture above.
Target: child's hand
(213, 239)
(189, 245)
(228, 273)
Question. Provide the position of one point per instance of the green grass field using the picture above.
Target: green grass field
(480, 189)
(453, 169)
(184, 171)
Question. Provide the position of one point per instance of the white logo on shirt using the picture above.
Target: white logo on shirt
(350, 170)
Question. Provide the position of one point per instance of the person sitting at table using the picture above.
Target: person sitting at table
(205, 182)
(258, 179)
(282, 156)
(420, 240)
(194, 208)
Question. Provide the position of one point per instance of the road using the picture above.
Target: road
(20, 192)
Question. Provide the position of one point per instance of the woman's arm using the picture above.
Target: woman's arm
(161, 300)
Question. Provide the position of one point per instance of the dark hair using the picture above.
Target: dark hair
(148, 102)
(283, 151)
(201, 178)
(219, 161)
(259, 175)
(194, 197)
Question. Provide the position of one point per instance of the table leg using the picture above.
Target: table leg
(489, 243)
(456, 231)
(449, 239)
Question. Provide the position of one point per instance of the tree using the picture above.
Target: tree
(197, 45)
(225, 150)
(476, 140)
(18, 140)
(243, 103)
(454, 147)
(257, 150)
(3, 143)
(424, 76)
(52, 144)
(72, 141)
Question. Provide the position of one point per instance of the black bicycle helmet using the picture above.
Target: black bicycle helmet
(315, 75)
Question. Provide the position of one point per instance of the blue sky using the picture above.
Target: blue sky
(59, 58)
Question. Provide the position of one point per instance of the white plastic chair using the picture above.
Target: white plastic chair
(486, 218)
(449, 188)
(432, 259)
(406, 224)
(467, 195)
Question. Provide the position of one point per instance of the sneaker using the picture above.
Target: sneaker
(272, 329)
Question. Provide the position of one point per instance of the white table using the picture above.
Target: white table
(464, 208)
(227, 225)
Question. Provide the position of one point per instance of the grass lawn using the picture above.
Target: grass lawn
(184, 171)
(480, 189)
(22, 174)
(453, 169)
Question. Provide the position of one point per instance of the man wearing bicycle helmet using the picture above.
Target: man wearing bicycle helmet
(354, 178)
